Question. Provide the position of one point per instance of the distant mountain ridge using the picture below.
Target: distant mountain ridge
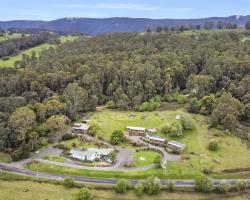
(95, 26)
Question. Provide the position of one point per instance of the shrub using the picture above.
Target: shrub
(67, 136)
(150, 105)
(139, 189)
(194, 105)
(157, 161)
(203, 184)
(68, 182)
(152, 186)
(248, 136)
(213, 145)
(174, 130)
(241, 186)
(165, 129)
(181, 99)
(111, 104)
(171, 187)
(122, 186)
(116, 137)
(222, 188)
(84, 194)
(94, 128)
(187, 123)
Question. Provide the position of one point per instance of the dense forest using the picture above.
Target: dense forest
(209, 72)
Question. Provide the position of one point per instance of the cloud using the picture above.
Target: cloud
(129, 6)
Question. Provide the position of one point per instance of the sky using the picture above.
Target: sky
(156, 9)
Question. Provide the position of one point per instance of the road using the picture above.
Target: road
(178, 183)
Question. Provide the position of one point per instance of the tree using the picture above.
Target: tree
(76, 99)
(22, 121)
(116, 137)
(227, 112)
(68, 182)
(247, 26)
(194, 105)
(207, 104)
(241, 186)
(204, 184)
(122, 186)
(187, 123)
(152, 185)
(139, 189)
(56, 125)
(157, 161)
(222, 188)
(84, 194)
(213, 145)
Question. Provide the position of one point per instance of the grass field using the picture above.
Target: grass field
(78, 144)
(232, 153)
(28, 190)
(13, 59)
(55, 158)
(5, 37)
(194, 32)
(38, 49)
(144, 158)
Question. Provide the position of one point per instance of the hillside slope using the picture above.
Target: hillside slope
(94, 26)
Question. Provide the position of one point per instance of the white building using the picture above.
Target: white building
(151, 130)
(91, 154)
(176, 146)
(136, 130)
(155, 138)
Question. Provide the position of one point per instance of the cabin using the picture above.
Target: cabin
(176, 146)
(156, 138)
(80, 128)
(136, 130)
(91, 154)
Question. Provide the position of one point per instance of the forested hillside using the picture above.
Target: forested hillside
(210, 72)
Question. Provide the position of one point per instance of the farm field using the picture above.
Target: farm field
(28, 190)
(38, 49)
(13, 59)
(194, 159)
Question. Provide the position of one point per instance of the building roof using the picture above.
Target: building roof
(82, 153)
(177, 144)
(156, 138)
(136, 128)
(103, 152)
(81, 126)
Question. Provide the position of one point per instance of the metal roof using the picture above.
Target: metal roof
(156, 138)
(80, 126)
(177, 144)
(136, 128)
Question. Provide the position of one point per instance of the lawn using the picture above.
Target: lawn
(5, 158)
(68, 38)
(28, 190)
(13, 59)
(232, 151)
(55, 158)
(38, 49)
(78, 144)
(110, 120)
(144, 158)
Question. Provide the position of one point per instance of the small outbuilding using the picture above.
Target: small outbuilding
(156, 138)
(80, 128)
(136, 130)
(176, 146)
